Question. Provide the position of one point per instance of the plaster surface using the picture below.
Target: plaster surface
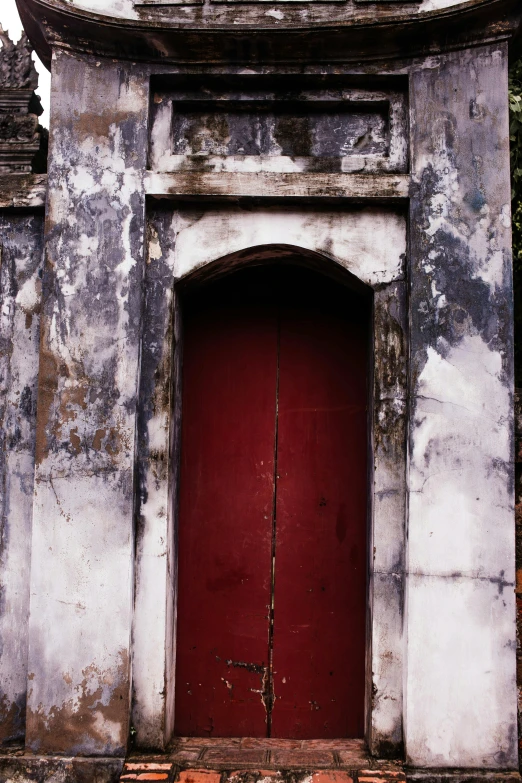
(82, 563)
(21, 259)
(468, 622)
(441, 662)
(460, 595)
(154, 648)
(370, 242)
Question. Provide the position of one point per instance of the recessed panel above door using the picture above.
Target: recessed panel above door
(249, 126)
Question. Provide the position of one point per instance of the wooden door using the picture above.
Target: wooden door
(272, 511)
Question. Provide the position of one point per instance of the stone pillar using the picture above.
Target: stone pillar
(460, 706)
(21, 256)
(82, 545)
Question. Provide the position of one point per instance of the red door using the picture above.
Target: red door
(272, 513)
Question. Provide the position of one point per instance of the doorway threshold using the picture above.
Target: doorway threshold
(253, 760)
(250, 752)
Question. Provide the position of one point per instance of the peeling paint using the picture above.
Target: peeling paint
(90, 720)
(21, 257)
(461, 522)
(369, 242)
(88, 388)
(433, 251)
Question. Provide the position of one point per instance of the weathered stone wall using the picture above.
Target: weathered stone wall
(518, 520)
(21, 260)
(83, 516)
(21, 257)
(460, 597)
(136, 9)
(418, 211)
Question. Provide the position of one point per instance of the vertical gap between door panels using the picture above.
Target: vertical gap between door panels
(269, 685)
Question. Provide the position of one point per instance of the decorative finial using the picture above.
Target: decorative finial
(22, 140)
(17, 69)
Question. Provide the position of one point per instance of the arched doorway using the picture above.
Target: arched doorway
(272, 532)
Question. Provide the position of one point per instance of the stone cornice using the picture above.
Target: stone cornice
(246, 35)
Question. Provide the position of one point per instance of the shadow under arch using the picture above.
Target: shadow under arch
(271, 254)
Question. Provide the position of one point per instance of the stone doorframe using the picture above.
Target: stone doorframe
(362, 247)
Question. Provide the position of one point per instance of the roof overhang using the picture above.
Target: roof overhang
(252, 37)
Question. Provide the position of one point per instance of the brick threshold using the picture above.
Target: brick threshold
(168, 772)
(253, 760)
(249, 760)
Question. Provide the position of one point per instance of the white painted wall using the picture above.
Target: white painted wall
(370, 242)
(460, 601)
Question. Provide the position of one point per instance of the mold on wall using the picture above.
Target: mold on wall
(306, 33)
(21, 259)
(136, 9)
(388, 542)
(154, 652)
(82, 544)
(238, 126)
(460, 596)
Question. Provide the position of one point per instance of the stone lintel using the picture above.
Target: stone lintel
(268, 185)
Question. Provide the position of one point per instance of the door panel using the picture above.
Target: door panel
(320, 554)
(225, 515)
(272, 508)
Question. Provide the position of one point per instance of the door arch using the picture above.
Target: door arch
(272, 532)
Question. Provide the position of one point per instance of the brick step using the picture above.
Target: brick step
(171, 773)
(252, 753)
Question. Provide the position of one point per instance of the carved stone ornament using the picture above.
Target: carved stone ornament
(19, 106)
(16, 66)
